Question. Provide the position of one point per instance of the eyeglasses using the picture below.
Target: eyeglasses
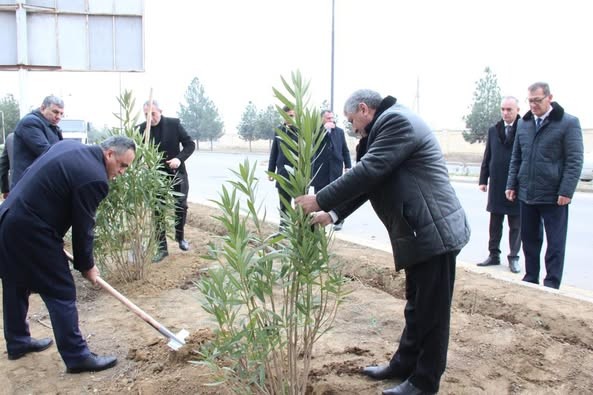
(536, 100)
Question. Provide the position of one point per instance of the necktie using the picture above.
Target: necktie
(507, 130)
(538, 123)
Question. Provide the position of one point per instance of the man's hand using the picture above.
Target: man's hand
(92, 274)
(321, 218)
(483, 187)
(308, 203)
(173, 163)
(329, 125)
(4, 195)
(510, 194)
(563, 200)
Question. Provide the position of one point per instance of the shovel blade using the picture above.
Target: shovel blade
(178, 341)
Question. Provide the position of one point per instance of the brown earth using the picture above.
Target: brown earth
(505, 338)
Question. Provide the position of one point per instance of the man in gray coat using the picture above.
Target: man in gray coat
(545, 167)
(493, 179)
(35, 133)
(402, 172)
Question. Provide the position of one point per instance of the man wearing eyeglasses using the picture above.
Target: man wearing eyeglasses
(544, 172)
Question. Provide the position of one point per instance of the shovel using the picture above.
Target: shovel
(176, 341)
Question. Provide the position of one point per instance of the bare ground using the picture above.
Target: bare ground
(505, 338)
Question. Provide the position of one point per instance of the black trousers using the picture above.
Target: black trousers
(514, 222)
(422, 352)
(181, 187)
(64, 320)
(534, 218)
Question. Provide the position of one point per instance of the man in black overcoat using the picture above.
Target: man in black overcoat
(59, 191)
(168, 133)
(493, 178)
(278, 162)
(332, 159)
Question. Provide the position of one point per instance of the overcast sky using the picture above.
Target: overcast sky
(238, 49)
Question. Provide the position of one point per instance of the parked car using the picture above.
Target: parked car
(587, 172)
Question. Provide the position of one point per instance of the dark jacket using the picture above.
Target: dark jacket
(33, 135)
(403, 174)
(331, 160)
(6, 159)
(547, 163)
(168, 134)
(61, 190)
(278, 160)
(495, 168)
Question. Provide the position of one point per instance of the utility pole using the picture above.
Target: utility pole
(3, 130)
(331, 97)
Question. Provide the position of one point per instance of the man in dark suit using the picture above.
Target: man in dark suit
(332, 159)
(35, 133)
(6, 160)
(168, 133)
(493, 179)
(61, 190)
(278, 162)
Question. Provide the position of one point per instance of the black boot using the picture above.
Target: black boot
(492, 260)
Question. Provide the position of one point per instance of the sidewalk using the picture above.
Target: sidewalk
(500, 272)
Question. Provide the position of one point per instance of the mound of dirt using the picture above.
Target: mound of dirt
(505, 337)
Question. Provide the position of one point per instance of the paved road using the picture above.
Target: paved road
(208, 171)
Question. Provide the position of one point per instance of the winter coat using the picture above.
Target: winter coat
(331, 159)
(403, 174)
(167, 135)
(547, 163)
(495, 168)
(61, 190)
(33, 135)
(278, 160)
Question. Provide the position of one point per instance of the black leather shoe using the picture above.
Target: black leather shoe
(93, 363)
(405, 388)
(383, 372)
(490, 261)
(160, 256)
(183, 245)
(514, 265)
(34, 346)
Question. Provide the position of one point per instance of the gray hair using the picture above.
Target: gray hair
(367, 96)
(537, 85)
(119, 144)
(513, 98)
(51, 99)
(155, 104)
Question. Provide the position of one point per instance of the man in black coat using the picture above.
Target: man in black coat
(402, 172)
(332, 159)
(278, 162)
(545, 168)
(168, 133)
(493, 178)
(59, 191)
(35, 133)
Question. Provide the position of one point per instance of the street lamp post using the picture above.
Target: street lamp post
(3, 130)
(331, 97)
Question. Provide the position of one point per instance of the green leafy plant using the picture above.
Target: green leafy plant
(125, 240)
(273, 296)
